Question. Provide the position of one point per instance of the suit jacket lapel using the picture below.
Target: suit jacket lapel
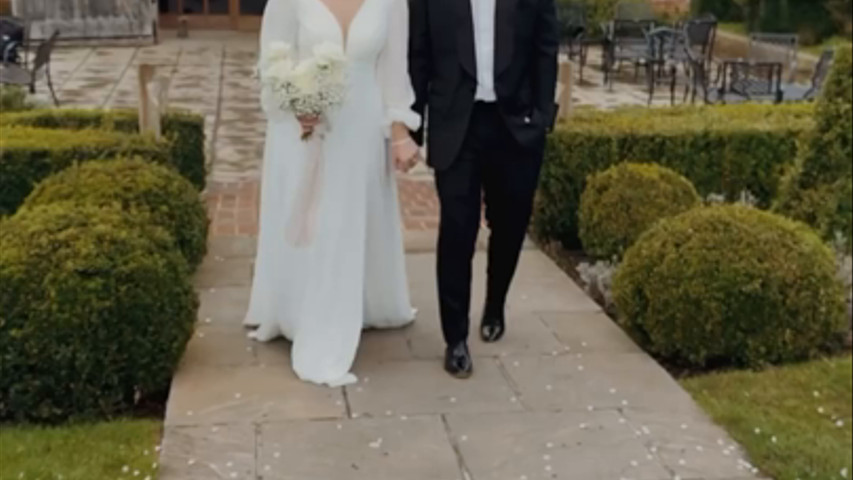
(465, 35)
(504, 34)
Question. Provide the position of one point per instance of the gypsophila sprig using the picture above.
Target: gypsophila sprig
(309, 87)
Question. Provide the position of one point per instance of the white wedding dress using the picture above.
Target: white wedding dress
(351, 274)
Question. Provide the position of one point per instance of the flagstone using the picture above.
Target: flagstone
(590, 446)
(364, 449)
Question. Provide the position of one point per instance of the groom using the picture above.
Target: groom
(484, 73)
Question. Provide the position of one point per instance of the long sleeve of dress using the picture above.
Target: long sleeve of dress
(394, 70)
(279, 24)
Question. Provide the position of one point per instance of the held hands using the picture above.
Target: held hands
(405, 154)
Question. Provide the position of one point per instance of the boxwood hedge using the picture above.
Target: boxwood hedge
(183, 131)
(96, 308)
(720, 149)
(170, 200)
(28, 155)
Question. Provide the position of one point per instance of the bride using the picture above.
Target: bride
(350, 274)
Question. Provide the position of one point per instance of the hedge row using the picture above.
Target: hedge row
(97, 304)
(183, 131)
(28, 155)
(819, 191)
(721, 149)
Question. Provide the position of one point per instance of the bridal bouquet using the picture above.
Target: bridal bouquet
(310, 87)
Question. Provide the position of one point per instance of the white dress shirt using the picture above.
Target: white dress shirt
(484, 44)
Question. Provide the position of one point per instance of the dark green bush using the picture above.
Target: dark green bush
(622, 202)
(96, 307)
(171, 200)
(721, 149)
(724, 10)
(184, 132)
(730, 286)
(818, 190)
(28, 155)
(813, 20)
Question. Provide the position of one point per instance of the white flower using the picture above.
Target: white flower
(278, 51)
(303, 78)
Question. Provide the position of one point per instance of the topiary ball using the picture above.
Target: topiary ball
(171, 201)
(620, 203)
(730, 285)
(95, 311)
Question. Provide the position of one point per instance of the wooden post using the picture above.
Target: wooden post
(183, 27)
(564, 89)
(153, 98)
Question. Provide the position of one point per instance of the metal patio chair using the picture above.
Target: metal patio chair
(11, 74)
(573, 33)
(806, 92)
(776, 47)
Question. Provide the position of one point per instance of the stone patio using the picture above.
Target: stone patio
(567, 395)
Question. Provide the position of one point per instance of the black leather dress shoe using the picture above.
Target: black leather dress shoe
(457, 361)
(492, 328)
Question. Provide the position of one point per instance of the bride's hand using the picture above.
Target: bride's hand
(308, 123)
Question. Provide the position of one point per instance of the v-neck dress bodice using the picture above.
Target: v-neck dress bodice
(352, 274)
(375, 43)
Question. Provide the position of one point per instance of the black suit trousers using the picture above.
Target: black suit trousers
(494, 168)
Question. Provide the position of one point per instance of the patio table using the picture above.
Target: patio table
(749, 80)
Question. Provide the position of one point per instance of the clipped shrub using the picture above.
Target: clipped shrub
(170, 200)
(819, 190)
(730, 285)
(620, 203)
(96, 307)
(721, 149)
(28, 155)
(184, 132)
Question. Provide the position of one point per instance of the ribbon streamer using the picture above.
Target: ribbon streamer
(300, 227)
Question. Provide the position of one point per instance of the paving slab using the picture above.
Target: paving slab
(420, 387)
(527, 335)
(232, 247)
(578, 381)
(252, 394)
(208, 452)
(220, 346)
(589, 331)
(690, 445)
(590, 446)
(228, 272)
(364, 449)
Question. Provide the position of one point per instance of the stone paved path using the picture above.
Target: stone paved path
(565, 396)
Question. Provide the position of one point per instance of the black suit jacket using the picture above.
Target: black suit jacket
(442, 64)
